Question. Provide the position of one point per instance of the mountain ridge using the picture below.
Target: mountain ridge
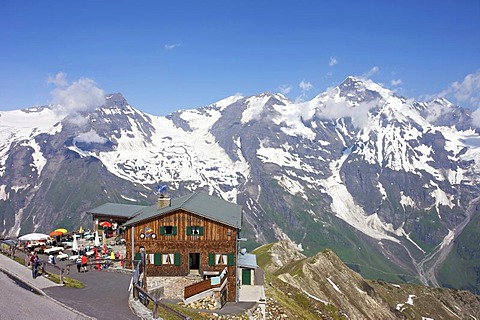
(356, 168)
(328, 289)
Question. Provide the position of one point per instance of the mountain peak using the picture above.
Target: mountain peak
(115, 99)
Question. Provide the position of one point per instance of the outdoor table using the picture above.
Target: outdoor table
(74, 257)
(53, 250)
(62, 256)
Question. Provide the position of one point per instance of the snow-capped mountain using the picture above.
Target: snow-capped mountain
(388, 183)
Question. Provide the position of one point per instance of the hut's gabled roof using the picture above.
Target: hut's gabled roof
(199, 203)
(117, 210)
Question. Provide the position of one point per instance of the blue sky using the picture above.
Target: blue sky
(169, 55)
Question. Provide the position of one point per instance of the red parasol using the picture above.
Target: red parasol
(105, 224)
(56, 233)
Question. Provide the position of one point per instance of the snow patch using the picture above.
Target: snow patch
(17, 188)
(127, 198)
(315, 298)
(254, 108)
(442, 198)
(3, 193)
(333, 285)
(344, 206)
(448, 239)
(39, 161)
(382, 190)
(406, 201)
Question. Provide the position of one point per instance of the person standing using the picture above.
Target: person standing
(34, 263)
(51, 259)
(84, 263)
(78, 262)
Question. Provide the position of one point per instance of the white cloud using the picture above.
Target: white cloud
(305, 85)
(467, 91)
(333, 110)
(89, 137)
(81, 95)
(171, 46)
(59, 80)
(396, 82)
(285, 89)
(371, 72)
(77, 119)
(476, 117)
(333, 61)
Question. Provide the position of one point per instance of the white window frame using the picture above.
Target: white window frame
(168, 256)
(221, 259)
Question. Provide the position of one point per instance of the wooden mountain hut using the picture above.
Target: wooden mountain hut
(192, 234)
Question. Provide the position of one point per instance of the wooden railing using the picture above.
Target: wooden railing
(196, 288)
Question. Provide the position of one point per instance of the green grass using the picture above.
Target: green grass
(464, 257)
(68, 282)
(263, 257)
(295, 302)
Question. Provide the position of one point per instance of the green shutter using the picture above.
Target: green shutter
(230, 259)
(174, 230)
(157, 259)
(211, 259)
(176, 258)
(189, 230)
(162, 231)
(138, 256)
(201, 231)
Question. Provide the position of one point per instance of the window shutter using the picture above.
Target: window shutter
(189, 230)
(177, 258)
(230, 259)
(138, 256)
(162, 231)
(201, 231)
(157, 259)
(211, 259)
(174, 230)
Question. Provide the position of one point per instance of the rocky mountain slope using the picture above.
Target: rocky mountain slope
(389, 184)
(322, 287)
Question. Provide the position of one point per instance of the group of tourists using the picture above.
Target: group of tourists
(81, 263)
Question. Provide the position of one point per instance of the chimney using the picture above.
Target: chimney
(163, 201)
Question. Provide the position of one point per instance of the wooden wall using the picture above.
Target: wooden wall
(216, 238)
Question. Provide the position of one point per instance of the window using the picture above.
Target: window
(194, 231)
(159, 259)
(171, 258)
(215, 259)
(167, 258)
(168, 230)
(220, 259)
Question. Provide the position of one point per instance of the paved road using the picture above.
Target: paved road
(18, 303)
(105, 294)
